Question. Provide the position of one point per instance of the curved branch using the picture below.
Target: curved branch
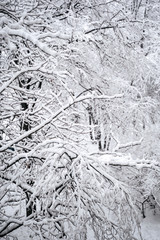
(5, 85)
(30, 37)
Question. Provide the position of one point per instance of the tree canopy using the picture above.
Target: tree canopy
(79, 117)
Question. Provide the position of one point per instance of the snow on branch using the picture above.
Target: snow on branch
(127, 161)
(54, 35)
(39, 150)
(28, 36)
(126, 145)
(110, 178)
(19, 157)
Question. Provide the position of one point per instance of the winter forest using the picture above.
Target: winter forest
(79, 119)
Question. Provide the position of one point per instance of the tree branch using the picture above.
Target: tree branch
(28, 36)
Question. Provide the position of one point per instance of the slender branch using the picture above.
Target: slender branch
(99, 28)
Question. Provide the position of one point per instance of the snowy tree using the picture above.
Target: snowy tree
(76, 106)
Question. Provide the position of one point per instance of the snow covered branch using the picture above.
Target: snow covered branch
(29, 36)
(127, 161)
(126, 145)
